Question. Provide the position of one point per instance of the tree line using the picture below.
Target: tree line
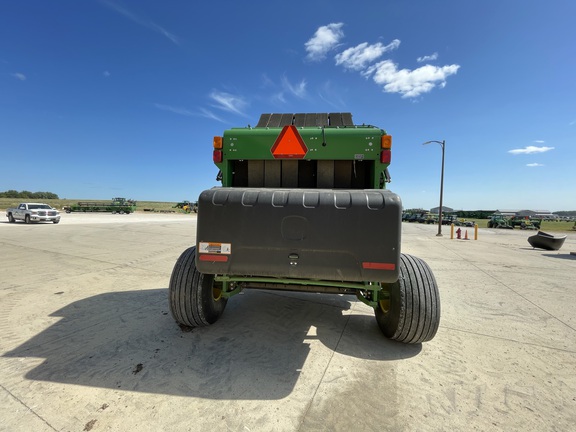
(28, 195)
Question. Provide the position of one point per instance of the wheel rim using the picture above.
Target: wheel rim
(384, 305)
(216, 293)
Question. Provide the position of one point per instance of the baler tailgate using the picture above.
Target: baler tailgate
(338, 235)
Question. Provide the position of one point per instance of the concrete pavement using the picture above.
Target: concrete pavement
(87, 342)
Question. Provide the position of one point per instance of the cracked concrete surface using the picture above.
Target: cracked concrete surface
(87, 341)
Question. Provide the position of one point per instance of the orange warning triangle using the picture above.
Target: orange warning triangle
(289, 144)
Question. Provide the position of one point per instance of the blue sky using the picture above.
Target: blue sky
(104, 98)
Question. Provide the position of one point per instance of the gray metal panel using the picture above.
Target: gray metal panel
(272, 173)
(335, 119)
(305, 120)
(325, 174)
(337, 235)
(263, 122)
(255, 173)
(286, 120)
(322, 119)
(347, 119)
(300, 120)
(310, 120)
(275, 120)
(290, 173)
(342, 173)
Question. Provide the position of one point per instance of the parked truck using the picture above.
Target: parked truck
(33, 212)
(303, 206)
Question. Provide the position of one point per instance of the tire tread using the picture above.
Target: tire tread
(190, 293)
(418, 304)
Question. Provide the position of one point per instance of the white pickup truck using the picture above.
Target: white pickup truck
(33, 212)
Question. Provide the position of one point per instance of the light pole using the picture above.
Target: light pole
(443, 145)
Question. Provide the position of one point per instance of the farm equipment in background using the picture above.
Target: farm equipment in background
(187, 206)
(181, 204)
(431, 219)
(118, 205)
(525, 222)
(500, 221)
(450, 219)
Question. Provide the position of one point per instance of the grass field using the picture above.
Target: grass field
(59, 203)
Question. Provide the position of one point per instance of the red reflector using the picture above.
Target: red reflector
(378, 266)
(214, 258)
(217, 156)
(386, 156)
(289, 144)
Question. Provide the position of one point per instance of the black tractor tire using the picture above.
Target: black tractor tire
(11, 218)
(412, 312)
(27, 219)
(195, 300)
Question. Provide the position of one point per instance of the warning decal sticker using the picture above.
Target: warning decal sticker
(215, 248)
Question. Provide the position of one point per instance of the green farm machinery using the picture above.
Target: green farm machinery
(511, 222)
(117, 205)
(187, 206)
(303, 206)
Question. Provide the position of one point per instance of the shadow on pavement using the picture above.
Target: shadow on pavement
(128, 340)
(565, 255)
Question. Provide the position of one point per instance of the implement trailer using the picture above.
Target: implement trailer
(118, 205)
(304, 207)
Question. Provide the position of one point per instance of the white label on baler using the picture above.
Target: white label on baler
(215, 248)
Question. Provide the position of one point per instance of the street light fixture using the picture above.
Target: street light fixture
(443, 145)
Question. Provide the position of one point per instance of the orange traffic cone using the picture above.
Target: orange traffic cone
(466, 235)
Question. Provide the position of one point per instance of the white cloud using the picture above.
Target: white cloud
(141, 21)
(19, 76)
(324, 40)
(106, 74)
(278, 92)
(358, 57)
(530, 150)
(330, 95)
(361, 58)
(534, 165)
(409, 83)
(279, 97)
(539, 141)
(298, 89)
(228, 102)
(185, 112)
(431, 57)
(209, 114)
(176, 110)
